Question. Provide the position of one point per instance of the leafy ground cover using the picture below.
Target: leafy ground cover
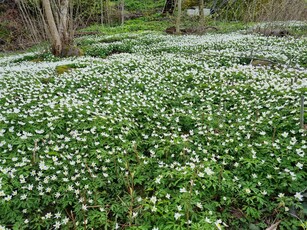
(150, 131)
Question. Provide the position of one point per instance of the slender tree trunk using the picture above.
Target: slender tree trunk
(56, 39)
(47, 32)
(122, 12)
(201, 13)
(107, 10)
(101, 12)
(63, 23)
(178, 19)
(72, 23)
(27, 19)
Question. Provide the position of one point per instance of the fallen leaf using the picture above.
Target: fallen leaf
(274, 226)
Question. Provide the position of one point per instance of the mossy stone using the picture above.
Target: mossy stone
(72, 51)
(261, 63)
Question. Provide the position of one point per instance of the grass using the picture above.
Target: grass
(136, 25)
(159, 24)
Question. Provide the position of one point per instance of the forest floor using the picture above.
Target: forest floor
(156, 131)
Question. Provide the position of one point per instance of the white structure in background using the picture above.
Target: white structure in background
(194, 11)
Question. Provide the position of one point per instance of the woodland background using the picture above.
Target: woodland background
(20, 26)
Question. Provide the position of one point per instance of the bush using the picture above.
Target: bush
(264, 10)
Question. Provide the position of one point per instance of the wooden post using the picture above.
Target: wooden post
(302, 112)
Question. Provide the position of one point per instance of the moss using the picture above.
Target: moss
(47, 80)
(72, 51)
(37, 60)
(61, 69)
(261, 63)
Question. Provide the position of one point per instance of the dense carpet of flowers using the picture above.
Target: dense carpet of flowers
(152, 131)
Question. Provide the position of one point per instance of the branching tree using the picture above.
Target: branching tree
(60, 27)
(57, 19)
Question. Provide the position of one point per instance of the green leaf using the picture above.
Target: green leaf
(305, 207)
(253, 227)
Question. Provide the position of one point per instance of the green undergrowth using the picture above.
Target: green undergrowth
(145, 5)
(4, 32)
(38, 56)
(299, 31)
(228, 27)
(105, 51)
(135, 25)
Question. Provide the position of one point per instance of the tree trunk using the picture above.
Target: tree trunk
(178, 19)
(122, 12)
(29, 23)
(101, 12)
(63, 23)
(201, 13)
(107, 10)
(56, 39)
